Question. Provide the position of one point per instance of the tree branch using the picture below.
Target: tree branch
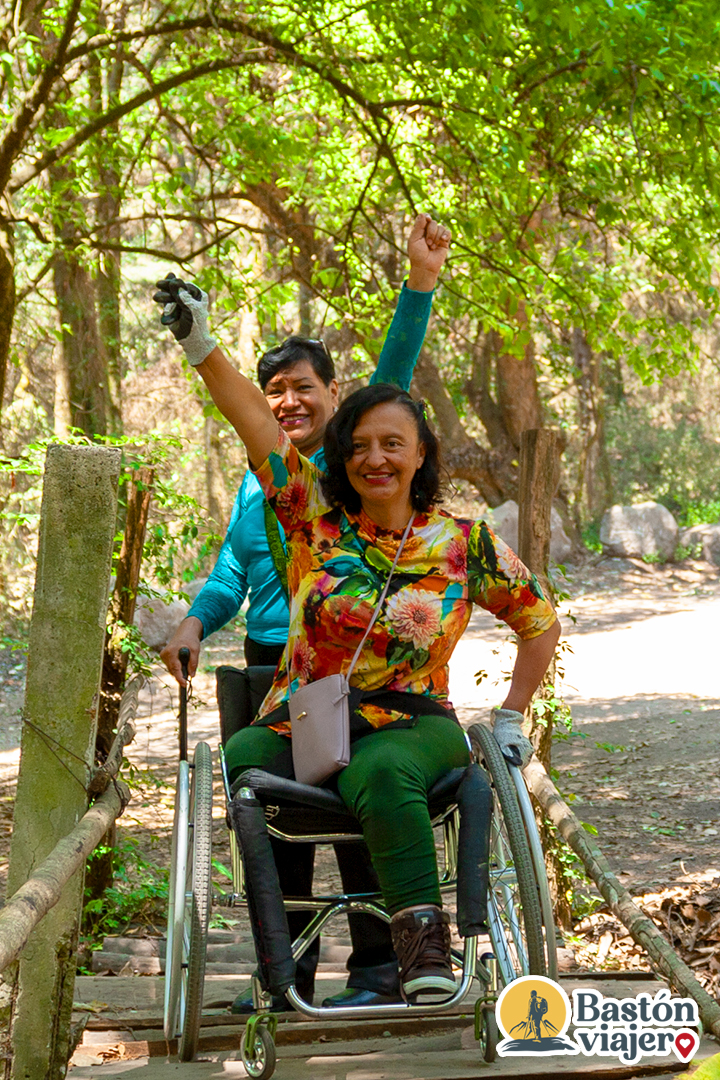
(582, 62)
(35, 98)
(112, 116)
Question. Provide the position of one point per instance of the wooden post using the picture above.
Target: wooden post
(539, 460)
(539, 452)
(77, 526)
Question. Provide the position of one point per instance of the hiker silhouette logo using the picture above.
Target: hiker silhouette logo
(533, 1014)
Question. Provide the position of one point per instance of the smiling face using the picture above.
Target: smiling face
(302, 404)
(386, 455)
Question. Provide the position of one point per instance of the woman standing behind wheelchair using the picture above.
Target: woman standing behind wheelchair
(343, 531)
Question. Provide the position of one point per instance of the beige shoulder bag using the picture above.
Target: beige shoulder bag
(320, 712)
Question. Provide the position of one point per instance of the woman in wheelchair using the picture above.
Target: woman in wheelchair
(343, 529)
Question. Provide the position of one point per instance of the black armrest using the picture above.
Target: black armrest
(266, 785)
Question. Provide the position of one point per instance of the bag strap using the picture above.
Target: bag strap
(277, 551)
(383, 594)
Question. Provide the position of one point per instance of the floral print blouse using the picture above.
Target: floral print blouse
(337, 565)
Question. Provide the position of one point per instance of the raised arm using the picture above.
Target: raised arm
(241, 402)
(428, 245)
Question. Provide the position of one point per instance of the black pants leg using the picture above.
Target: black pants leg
(259, 655)
(372, 963)
(295, 870)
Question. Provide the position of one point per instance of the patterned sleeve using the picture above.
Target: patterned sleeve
(501, 583)
(291, 484)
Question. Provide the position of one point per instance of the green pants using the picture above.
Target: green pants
(385, 785)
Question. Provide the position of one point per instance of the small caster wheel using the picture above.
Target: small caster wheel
(486, 1030)
(259, 1061)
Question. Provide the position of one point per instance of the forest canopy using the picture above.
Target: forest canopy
(276, 153)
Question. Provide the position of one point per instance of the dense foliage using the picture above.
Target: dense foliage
(278, 151)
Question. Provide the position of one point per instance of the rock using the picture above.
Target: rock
(503, 520)
(707, 538)
(158, 621)
(634, 531)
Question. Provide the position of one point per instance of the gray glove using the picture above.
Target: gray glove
(507, 732)
(185, 311)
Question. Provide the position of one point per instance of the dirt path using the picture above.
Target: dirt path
(642, 680)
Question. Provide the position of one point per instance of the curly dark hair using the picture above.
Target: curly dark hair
(426, 487)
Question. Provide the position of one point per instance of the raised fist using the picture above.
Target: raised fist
(428, 245)
(175, 313)
(185, 312)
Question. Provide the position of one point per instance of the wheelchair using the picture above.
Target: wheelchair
(499, 879)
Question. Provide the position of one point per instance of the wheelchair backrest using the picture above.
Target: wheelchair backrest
(240, 693)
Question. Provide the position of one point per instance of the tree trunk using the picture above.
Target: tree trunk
(593, 492)
(479, 393)
(107, 214)
(108, 296)
(7, 297)
(83, 370)
(122, 606)
(77, 525)
(465, 459)
(517, 391)
(121, 613)
(304, 306)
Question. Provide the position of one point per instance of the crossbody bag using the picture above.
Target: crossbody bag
(320, 711)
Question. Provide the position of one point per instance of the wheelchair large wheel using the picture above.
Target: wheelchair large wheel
(514, 914)
(189, 902)
(541, 879)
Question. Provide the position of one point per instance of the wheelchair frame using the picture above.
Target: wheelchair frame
(520, 919)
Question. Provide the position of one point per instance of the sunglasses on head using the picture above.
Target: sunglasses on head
(320, 342)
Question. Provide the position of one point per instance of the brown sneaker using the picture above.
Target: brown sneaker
(421, 939)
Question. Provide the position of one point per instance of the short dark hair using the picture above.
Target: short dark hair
(292, 351)
(426, 487)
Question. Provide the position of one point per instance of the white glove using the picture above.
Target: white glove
(185, 311)
(507, 731)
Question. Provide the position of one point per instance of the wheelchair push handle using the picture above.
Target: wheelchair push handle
(184, 658)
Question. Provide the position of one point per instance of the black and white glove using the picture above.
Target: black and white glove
(185, 311)
(507, 731)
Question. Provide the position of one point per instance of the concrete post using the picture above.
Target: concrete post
(77, 527)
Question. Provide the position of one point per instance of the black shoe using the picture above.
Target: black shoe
(243, 1004)
(352, 997)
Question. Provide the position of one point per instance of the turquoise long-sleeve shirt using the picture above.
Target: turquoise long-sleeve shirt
(244, 565)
